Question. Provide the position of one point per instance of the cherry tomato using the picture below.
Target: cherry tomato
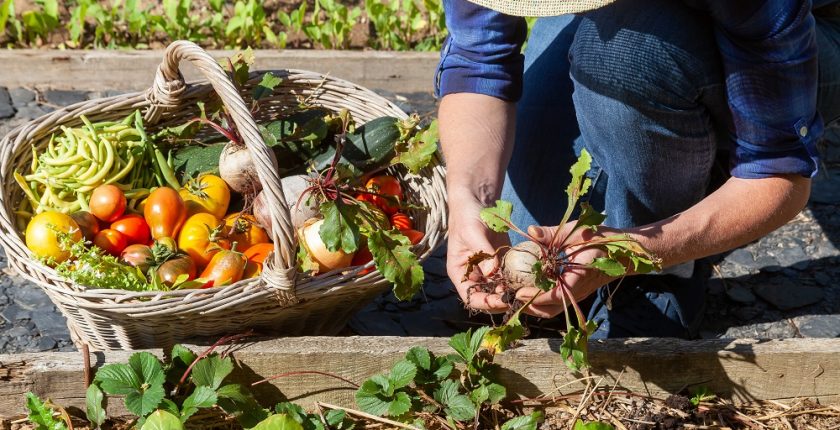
(401, 221)
(226, 267)
(107, 202)
(111, 241)
(177, 267)
(385, 185)
(134, 227)
(165, 212)
(88, 223)
(413, 236)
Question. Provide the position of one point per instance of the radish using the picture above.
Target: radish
(310, 238)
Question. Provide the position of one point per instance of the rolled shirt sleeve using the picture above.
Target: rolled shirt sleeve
(482, 53)
(769, 57)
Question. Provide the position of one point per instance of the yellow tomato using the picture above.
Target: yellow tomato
(208, 194)
(201, 238)
(244, 230)
(42, 235)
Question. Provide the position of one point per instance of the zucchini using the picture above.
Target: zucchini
(371, 146)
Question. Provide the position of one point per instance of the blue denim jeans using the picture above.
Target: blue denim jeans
(648, 102)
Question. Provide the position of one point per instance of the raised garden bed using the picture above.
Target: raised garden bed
(740, 371)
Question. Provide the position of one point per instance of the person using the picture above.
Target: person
(654, 90)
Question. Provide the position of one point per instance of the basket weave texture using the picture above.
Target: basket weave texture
(282, 301)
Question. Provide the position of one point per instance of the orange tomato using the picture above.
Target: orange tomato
(244, 230)
(362, 257)
(226, 267)
(401, 221)
(256, 255)
(385, 185)
(165, 212)
(107, 202)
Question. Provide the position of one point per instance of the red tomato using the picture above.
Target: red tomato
(226, 267)
(385, 185)
(111, 241)
(134, 227)
(165, 212)
(107, 202)
(413, 236)
(401, 221)
(88, 223)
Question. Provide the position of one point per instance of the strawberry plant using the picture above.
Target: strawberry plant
(39, 23)
(543, 265)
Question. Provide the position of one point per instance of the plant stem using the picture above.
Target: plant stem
(207, 352)
(368, 416)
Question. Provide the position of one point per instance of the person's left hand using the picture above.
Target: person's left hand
(581, 281)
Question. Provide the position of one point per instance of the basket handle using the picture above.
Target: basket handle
(169, 85)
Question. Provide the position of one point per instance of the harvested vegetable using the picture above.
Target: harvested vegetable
(201, 238)
(87, 223)
(301, 207)
(107, 202)
(385, 192)
(518, 264)
(91, 267)
(401, 221)
(111, 241)
(325, 260)
(165, 212)
(206, 193)
(139, 256)
(244, 229)
(226, 267)
(134, 228)
(81, 159)
(44, 232)
(237, 169)
(176, 271)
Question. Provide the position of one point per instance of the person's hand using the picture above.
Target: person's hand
(581, 281)
(468, 235)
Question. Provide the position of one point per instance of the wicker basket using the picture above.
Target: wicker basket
(282, 301)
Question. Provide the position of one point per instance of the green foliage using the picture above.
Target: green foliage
(140, 381)
(525, 422)
(498, 217)
(395, 24)
(162, 420)
(266, 86)
(416, 152)
(701, 394)
(42, 415)
(575, 347)
(592, 425)
(94, 410)
(339, 230)
(278, 422)
(392, 254)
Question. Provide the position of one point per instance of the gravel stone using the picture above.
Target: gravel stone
(65, 98)
(786, 295)
(14, 313)
(818, 325)
(32, 297)
(7, 110)
(31, 112)
(742, 257)
(768, 330)
(21, 96)
(790, 256)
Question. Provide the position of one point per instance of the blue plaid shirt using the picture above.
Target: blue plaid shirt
(769, 54)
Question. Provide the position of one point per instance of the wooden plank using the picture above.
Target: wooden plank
(134, 70)
(743, 370)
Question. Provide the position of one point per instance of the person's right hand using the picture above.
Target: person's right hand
(468, 235)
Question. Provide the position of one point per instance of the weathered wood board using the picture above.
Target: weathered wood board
(135, 70)
(743, 370)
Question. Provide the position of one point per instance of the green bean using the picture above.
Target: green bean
(122, 173)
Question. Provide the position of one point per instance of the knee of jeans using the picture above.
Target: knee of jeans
(658, 52)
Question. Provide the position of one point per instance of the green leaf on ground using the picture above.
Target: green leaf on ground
(498, 217)
(41, 414)
(162, 420)
(701, 394)
(236, 400)
(278, 422)
(402, 374)
(468, 343)
(524, 422)
(93, 405)
(593, 425)
(392, 254)
(339, 230)
(202, 398)
(117, 379)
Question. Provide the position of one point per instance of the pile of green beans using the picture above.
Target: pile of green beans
(80, 159)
